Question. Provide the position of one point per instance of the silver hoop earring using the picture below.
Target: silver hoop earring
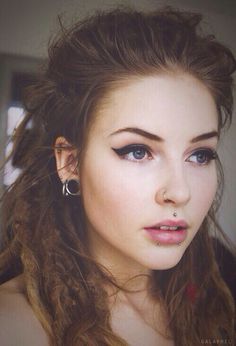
(174, 213)
(71, 187)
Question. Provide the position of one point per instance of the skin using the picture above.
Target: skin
(122, 195)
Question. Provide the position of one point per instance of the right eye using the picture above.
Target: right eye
(134, 152)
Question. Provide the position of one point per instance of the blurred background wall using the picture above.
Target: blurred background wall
(27, 25)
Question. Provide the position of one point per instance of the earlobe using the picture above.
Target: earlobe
(66, 159)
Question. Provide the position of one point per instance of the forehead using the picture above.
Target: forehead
(163, 103)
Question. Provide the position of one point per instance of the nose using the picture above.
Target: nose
(175, 189)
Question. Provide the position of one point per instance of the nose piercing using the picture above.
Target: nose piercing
(164, 196)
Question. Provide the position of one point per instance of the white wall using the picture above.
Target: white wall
(26, 26)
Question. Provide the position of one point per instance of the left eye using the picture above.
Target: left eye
(203, 156)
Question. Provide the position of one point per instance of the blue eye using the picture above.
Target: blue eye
(134, 152)
(203, 156)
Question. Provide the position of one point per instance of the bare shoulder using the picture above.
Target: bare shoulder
(18, 323)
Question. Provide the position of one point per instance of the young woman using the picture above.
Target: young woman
(107, 231)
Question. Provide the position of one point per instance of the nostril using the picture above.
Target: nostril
(175, 195)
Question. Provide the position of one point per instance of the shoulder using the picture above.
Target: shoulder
(18, 323)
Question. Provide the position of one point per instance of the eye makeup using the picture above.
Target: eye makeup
(138, 151)
(203, 156)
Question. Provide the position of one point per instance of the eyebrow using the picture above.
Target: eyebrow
(206, 135)
(157, 138)
(140, 132)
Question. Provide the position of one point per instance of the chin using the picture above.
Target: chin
(166, 261)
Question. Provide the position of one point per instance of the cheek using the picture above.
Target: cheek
(203, 192)
(110, 197)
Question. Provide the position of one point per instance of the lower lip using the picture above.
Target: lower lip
(166, 237)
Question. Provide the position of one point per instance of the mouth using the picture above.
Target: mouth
(168, 231)
(169, 225)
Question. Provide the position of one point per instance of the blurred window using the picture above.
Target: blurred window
(15, 114)
(17, 73)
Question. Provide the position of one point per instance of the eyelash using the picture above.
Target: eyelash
(209, 154)
(124, 151)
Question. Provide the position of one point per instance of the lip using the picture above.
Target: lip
(163, 237)
(170, 223)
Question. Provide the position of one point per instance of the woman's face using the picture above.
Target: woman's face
(147, 139)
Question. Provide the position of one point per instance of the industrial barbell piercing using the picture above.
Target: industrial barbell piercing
(58, 149)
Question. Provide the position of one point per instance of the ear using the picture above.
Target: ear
(66, 159)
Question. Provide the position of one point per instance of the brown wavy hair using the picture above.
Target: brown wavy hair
(44, 234)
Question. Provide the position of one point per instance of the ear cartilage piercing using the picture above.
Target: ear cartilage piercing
(58, 149)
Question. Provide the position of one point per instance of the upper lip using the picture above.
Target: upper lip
(170, 223)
